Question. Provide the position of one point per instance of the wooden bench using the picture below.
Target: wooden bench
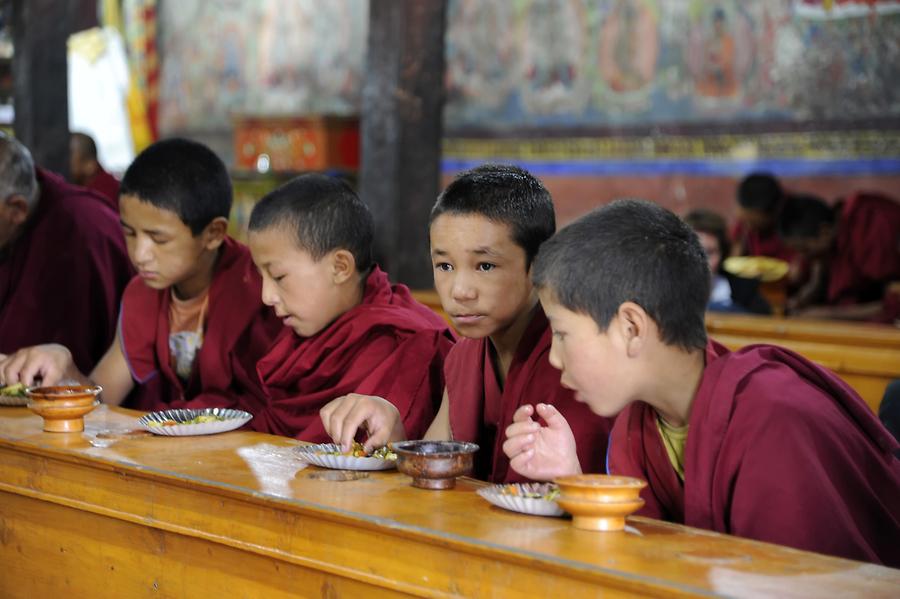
(866, 356)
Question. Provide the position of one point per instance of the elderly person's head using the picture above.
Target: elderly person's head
(18, 188)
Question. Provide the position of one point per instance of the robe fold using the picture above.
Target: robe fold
(778, 450)
(62, 279)
(239, 329)
(389, 346)
(867, 249)
(480, 410)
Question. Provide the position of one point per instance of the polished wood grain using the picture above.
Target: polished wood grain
(237, 514)
(866, 356)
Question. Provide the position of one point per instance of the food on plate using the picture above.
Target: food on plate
(17, 390)
(548, 493)
(199, 419)
(358, 451)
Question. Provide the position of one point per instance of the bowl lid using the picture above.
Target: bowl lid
(433, 448)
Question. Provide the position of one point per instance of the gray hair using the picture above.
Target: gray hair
(16, 170)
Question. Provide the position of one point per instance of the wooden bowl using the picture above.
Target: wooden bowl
(600, 501)
(434, 464)
(599, 515)
(600, 487)
(63, 407)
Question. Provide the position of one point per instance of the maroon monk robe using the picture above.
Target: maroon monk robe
(239, 329)
(61, 280)
(756, 244)
(389, 346)
(866, 254)
(778, 450)
(106, 185)
(480, 410)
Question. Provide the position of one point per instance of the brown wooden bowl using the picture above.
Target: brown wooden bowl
(607, 516)
(63, 407)
(434, 464)
(600, 487)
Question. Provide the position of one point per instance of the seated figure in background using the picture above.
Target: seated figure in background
(729, 293)
(856, 244)
(85, 169)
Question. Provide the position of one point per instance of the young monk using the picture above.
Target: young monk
(346, 329)
(857, 242)
(759, 443)
(486, 228)
(63, 262)
(191, 324)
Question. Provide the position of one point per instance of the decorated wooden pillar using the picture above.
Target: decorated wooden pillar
(402, 102)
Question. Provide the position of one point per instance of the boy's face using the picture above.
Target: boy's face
(757, 220)
(300, 289)
(479, 273)
(713, 252)
(161, 247)
(591, 361)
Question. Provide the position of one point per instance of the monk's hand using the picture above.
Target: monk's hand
(344, 416)
(541, 452)
(48, 363)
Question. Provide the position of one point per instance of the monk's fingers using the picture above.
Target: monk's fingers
(12, 369)
(523, 413)
(516, 445)
(360, 414)
(42, 365)
(522, 463)
(522, 428)
(337, 424)
(552, 417)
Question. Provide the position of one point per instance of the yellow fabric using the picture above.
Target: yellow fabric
(674, 440)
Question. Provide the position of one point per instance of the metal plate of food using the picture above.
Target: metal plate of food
(329, 455)
(538, 499)
(185, 422)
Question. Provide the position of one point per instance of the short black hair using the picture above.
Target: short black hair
(703, 220)
(630, 251)
(86, 145)
(802, 217)
(760, 191)
(503, 194)
(184, 177)
(323, 212)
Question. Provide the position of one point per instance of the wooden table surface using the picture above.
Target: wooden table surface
(238, 515)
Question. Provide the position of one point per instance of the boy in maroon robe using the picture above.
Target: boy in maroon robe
(191, 325)
(347, 330)
(486, 228)
(759, 443)
(63, 262)
(85, 169)
(858, 243)
(760, 199)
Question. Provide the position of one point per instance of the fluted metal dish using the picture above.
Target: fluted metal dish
(229, 420)
(501, 496)
(322, 455)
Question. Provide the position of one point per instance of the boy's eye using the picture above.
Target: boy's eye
(278, 278)
(559, 335)
(444, 266)
(486, 266)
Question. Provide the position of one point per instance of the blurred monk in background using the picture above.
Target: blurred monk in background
(85, 169)
(857, 242)
(63, 261)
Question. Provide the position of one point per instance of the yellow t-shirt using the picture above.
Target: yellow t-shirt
(674, 440)
(187, 319)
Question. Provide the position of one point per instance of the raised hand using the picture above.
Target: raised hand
(541, 452)
(342, 418)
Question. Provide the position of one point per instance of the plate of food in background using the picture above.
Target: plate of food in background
(330, 455)
(186, 422)
(537, 499)
(764, 268)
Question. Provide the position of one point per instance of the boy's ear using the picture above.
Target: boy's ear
(214, 233)
(343, 266)
(634, 327)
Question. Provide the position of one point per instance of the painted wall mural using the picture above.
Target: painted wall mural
(611, 63)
